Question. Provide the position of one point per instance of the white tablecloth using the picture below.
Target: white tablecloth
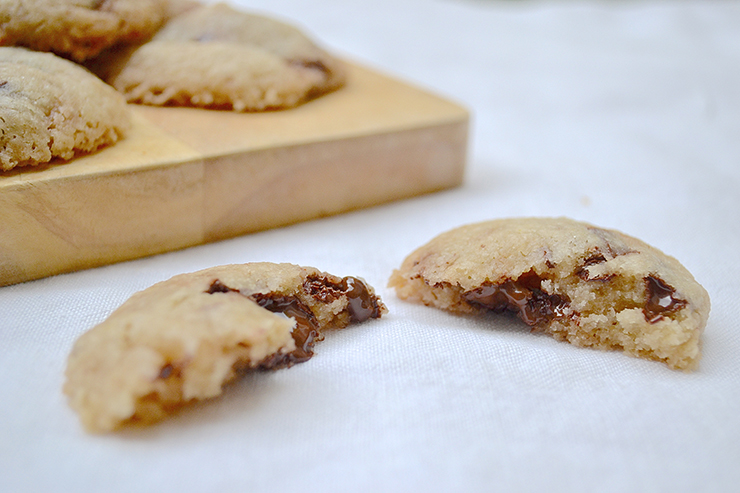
(623, 114)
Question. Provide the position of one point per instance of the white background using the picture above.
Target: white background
(623, 114)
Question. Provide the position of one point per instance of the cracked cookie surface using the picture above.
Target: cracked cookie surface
(53, 108)
(78, 29)
(582, 284)
(183, 339)
(217, 57)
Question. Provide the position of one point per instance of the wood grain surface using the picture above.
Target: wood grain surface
(184, 176)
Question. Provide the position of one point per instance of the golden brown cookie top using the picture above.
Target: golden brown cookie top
(221, 23)
(220, 58)
(51, 107)
(78, 29)
(506, 248)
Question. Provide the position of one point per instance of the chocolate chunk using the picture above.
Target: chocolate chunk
(660, 299)
(218, 287)
(170, 370)
(523, 296)
(583, 272)
(305, 333)
(362, 304)
(323, 289)
(166, 371)
(594, 259)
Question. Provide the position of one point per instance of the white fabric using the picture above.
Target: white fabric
(623, 114)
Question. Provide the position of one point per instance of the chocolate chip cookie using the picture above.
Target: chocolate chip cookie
(217, 57)
(53, 108)
(78, 29)
(182, 339)
(582, 284)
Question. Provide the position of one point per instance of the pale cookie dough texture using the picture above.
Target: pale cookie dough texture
(53, 108)
(182, 339)
(585, 285)
(217, 57)
(78, 29)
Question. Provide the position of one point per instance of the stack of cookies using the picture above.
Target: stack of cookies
(155, 52)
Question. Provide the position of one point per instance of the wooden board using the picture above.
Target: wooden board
(186, 176)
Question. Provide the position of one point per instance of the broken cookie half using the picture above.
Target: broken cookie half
(585, 285)
(182, 339)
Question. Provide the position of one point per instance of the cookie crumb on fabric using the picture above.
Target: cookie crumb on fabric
(582, 284)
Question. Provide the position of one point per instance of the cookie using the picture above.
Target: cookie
(78, 29)
(183, 339)
(585, 285)
(220, 58)
(53, 108)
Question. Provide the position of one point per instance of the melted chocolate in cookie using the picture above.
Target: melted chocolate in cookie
(660, 299)
(584, 273)
(305, 334)
(218, 287)
(522, 296)
(362, 304)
